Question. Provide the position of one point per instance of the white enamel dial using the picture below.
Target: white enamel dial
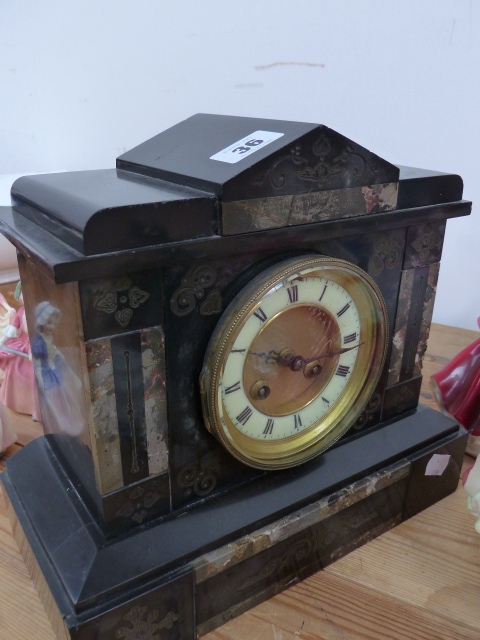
(333, 325)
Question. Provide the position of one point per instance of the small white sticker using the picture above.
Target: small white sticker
(246, 146)
(437, 464)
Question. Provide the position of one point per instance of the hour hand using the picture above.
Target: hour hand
(270, 357)
(285, 357)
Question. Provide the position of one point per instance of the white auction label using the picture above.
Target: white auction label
(246, 146)
(437, 464)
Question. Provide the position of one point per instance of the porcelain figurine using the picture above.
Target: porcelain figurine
(457, 390)
(471, 484)
(58, 386)
(7, 314)
(18, 391)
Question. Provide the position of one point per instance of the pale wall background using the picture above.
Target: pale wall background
(84, 80)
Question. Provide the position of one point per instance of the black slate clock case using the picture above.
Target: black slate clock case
(141, 261)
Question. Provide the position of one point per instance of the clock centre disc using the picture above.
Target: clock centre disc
(286, 367)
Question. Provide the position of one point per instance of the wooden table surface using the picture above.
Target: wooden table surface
(420, 581)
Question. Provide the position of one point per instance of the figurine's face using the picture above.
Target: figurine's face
(51, 324)
(294, 361)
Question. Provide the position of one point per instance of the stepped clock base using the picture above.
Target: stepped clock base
(182, 577)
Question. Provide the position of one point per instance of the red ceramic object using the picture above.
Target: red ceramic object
(457, 387)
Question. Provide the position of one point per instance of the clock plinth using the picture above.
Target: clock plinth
(127, 274)
(195, 576)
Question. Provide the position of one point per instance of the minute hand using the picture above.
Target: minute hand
(333, 353)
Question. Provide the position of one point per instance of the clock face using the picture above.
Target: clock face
(293, 361)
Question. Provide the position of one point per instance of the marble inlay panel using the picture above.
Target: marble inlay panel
(231, 554)
(305, 551)
(117, 450)
(412, 324)
(104, 412)
(432, 280)
(244, 216)
(155, 397)
(257, 598)
(401, 324)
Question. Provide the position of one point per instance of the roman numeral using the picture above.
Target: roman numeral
(350, 338)
(342, 311)
(326, 402)
(342, 371)
(238, 350)
(233, 387)
(269, 427)
(244, 416)
(323, 293)
(260, 314)
(293, 293)
(298, 421)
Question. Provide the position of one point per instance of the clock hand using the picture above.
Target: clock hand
(285, 357)
(272, 357)
(333, 353)
(296, 362)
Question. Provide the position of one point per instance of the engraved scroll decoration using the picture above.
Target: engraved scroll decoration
(199, 478)
(193, 287)
(324, 172)
(387, 254)
(369, 412)
(121, 301)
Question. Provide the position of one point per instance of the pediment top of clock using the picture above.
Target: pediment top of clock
(240, 158)
(212, 177)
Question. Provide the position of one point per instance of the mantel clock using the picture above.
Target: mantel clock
(227, 332)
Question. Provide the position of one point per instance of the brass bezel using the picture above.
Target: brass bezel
(287, 452)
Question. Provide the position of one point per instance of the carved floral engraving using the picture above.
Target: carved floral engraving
(145, 624)
(139, 501)
(193, 287)
(325, 171)
(121, 301)
(428, 241)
